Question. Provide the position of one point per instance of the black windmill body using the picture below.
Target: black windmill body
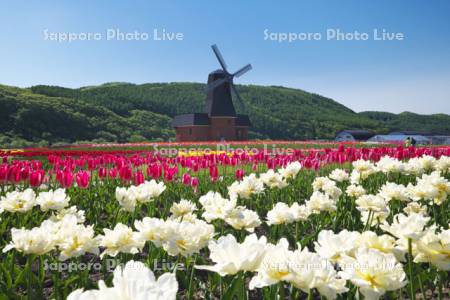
(220, 88)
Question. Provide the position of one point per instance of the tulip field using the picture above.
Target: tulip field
(293, 221)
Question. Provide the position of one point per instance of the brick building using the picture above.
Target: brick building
(219, 121)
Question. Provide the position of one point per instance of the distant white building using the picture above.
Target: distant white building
(433, 138)
(400, 138)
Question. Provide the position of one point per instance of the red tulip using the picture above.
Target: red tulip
(194, 183)
(154, 171)
(169, 173)
(125, 173)
(3, 173)
(213, 172)
(112, 173)
(186, 179)
(82, 179)
(102, 172)
(65, 178)
(138, 178)
(36, 177)
(239, 174)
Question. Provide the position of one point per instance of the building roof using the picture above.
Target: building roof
(399, 138)
(410, 132)
(358, 134)
(191, 120)
(243, 120)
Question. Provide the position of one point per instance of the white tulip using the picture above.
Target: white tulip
(216, 207)
(20, 202)
(53, 200)
(389, 164)
(34, 241)
(186, 238)
(152, 229)
(134, 281)
(249, 186)
(333, 246)
(281, 213)
(121, 239)
(373, 272)
(320, 202)
(339, 175)
(274, 267)
(182, 208)
(231, 257)
(407, 227)
(391, 191)
(372, 203)
(435, 249)
(291, 170)
(242, 218)
(355, 191)
(273, 180)
(310, 271)
(300, 212)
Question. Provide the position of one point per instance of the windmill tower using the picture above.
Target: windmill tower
(219, 121)
(219, 102)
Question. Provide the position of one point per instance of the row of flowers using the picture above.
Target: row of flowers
(398, 226)
(138, 167)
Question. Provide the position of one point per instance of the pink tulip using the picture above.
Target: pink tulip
(3, 173)
(112, 173)
(36, 177)
(239, 174)
(125, 173)
(186, 179)
(65, 178)
(102, 172)
(194, 183)
(213, 172)
(82, 179)
(138, 178)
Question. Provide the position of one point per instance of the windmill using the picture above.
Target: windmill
(219, 121)
(220, 87)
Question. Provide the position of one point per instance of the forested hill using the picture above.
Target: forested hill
(127, 112)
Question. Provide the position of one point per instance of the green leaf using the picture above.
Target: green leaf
(233, 288)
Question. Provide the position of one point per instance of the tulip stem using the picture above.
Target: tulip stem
(421, 286)
(368, 222)
(310, 294)
(243, 286)
(29, 284)
(191, 277)
(435, 214)
(281, 290)
(410, 267)
(440, 285)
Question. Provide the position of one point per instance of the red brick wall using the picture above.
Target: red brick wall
(220, 128)
(192, 133)
(223, 128)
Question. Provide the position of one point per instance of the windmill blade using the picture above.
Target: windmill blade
(219, 57)
(243, 70)
(237, 96)
(215, 84)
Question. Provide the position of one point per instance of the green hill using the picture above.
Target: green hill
(122, 112)
(436, 124)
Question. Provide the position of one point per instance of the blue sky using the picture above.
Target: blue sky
(408, 75)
